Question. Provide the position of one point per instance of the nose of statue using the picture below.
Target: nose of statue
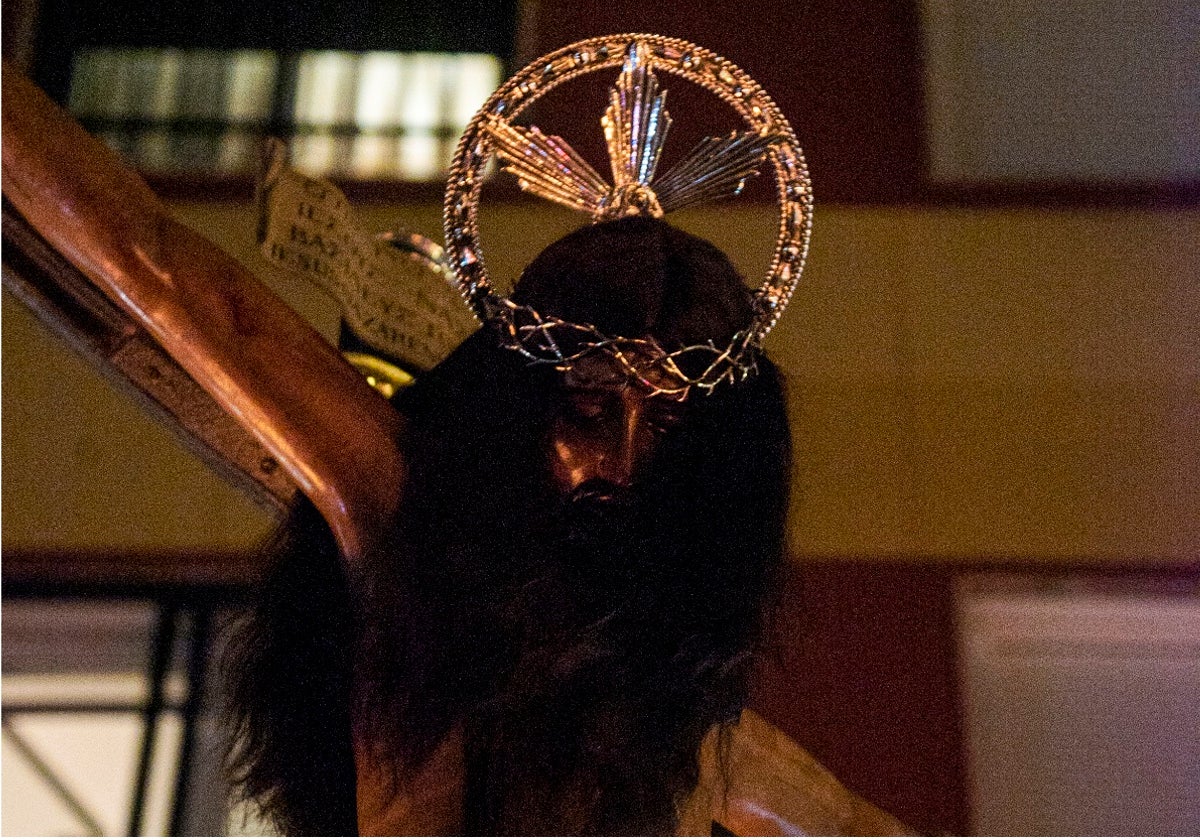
(628, 444)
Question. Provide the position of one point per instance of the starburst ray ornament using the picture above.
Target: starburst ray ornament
(635, 125)
(635, 128)
(548, 167)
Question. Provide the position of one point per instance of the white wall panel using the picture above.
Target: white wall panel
(1023, 90)
(1082, 712)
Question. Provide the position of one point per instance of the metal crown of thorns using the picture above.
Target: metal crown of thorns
(635, 128)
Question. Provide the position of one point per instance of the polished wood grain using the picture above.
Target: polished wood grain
(133, 362)
(776, 788)
(259, 360)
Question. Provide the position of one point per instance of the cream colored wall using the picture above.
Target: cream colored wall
(999, 384)
(85, 467)
(971, 384)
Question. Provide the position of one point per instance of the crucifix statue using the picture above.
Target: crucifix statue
(526, 595)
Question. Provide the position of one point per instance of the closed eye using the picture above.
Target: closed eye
(590, 405)
(664, 412)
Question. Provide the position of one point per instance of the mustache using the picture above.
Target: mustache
(598, 491)
(596, 520)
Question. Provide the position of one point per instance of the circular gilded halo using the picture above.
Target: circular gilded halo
(672, 55)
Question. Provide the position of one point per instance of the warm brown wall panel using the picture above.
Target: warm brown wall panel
(847, 75)
(865, 678)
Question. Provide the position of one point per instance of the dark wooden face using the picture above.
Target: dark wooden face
(607, 427)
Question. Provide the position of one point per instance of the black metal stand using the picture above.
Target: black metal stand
(197, 667)
(160, 662)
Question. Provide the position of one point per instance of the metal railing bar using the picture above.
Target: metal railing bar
(160, 662)
(201, 636)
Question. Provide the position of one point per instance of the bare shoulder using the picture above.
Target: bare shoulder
(759, 782)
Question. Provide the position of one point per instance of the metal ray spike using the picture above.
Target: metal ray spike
(548, 167)
(636, 121)
(714, 168)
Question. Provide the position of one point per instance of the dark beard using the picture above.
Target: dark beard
(585, 560)
(585, 646)
(593, 723)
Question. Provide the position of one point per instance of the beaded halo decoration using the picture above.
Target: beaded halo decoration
(635, 126)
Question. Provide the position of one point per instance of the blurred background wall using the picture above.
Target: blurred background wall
(993, 364)
(966, 383)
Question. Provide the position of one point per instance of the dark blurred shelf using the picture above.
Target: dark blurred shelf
(190, 575)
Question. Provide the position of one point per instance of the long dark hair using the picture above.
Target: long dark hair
(584, 657)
